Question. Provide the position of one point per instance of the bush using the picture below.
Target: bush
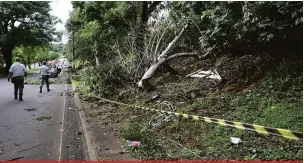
(242, 27)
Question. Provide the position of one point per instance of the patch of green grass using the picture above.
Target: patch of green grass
(30, 109)
(191, 154)
(32, 69)
(75, 83)
(42, 118)
(282, 115)
(34, 82)
(134, 132)
(279, 153)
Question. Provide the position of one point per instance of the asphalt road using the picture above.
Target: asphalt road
(24, 137)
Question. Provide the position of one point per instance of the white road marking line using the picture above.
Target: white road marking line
(61, 135)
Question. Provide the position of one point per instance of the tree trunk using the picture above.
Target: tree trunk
(144, 82)
(7, 55)
(147, 8)
(173, 42)
(29, 63)
(140, 42)
(97, 61)
(162, 58)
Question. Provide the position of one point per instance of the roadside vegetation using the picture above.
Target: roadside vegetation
(140, 53)
(27, 30)
(130, 52)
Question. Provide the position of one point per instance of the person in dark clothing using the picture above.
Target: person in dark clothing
(17, 72)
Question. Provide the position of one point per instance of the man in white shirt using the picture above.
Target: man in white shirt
(17, 72)
(45, 72)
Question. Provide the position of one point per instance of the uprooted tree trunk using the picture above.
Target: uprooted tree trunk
(144, 83)
(163, 61)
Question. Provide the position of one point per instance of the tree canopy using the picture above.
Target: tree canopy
(35, 54)
(25, 23)
(132, 36)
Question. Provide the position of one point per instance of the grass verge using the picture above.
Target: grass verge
(274, 101)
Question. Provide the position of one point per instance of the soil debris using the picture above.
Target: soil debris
(42, 118)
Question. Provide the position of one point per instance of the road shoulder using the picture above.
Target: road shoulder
(73, 146)
(102, 139)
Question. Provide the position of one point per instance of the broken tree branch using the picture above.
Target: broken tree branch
(156, 65)
(194, 72)
(172, 43)
(208, 52)
(143, 83)
(30, 148)
(162, 58)
(161, 37)
(182, 55)
(15, 158)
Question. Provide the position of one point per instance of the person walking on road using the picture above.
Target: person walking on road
(45, 71)
(17, 72)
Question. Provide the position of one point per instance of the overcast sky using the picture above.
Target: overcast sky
(61, 9)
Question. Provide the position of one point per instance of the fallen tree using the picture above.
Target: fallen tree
(162, 60)
(144, 84)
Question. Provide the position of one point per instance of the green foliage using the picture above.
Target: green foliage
(24, 23)
(56, 48)
(27, 54)
(134, 132)
(38, 54)
(45, 54)
(251, 26)
(191, 154)
(278, 154)
(103, 37)
(35, 24)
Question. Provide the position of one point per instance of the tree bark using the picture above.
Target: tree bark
(147, 8)
(173, 42)
(29, 61)
(162, 58)
(145, 12)
(144, 83)
(140, 42)
(97, 61)
(7, 55)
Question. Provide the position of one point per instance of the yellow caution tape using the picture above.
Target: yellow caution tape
(243, 126)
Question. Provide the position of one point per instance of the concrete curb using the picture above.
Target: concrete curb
(89, 145)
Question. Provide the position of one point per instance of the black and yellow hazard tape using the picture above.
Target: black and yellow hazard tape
(243, 126)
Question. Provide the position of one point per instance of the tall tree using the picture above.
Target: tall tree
(27, 54)
(59, 37)
(24, 23)
(147, 7)
(97, 25)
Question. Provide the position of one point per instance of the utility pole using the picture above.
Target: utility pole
(73, 48)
